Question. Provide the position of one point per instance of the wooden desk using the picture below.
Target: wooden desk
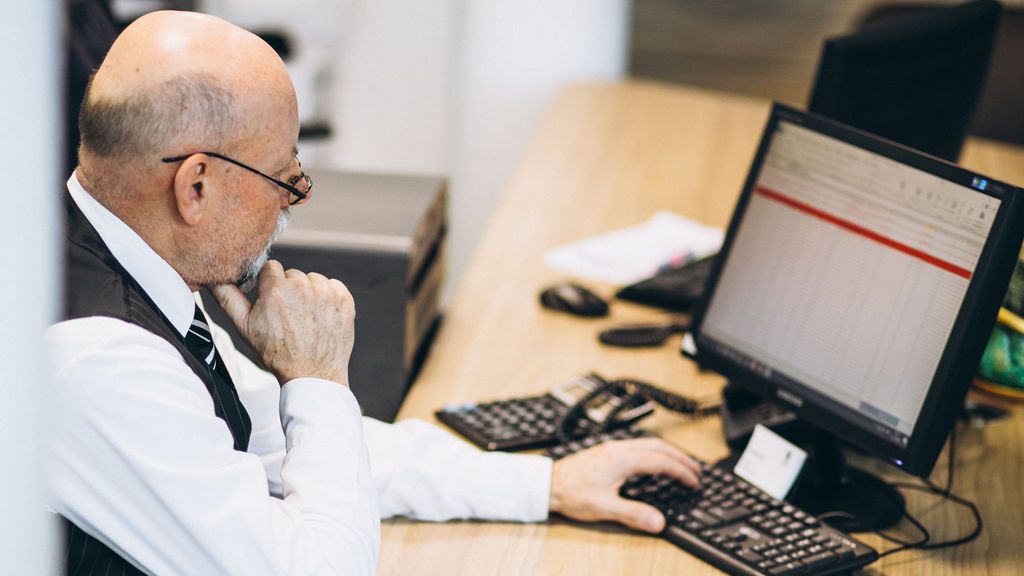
(608, 156)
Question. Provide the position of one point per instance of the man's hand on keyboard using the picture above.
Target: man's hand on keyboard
(585, 486)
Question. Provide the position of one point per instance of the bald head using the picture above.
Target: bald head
(177, 82)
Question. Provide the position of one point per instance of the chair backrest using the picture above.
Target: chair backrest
(914, 79)
(89, 30)
(1000, 113)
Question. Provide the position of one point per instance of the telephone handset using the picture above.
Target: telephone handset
(583, 406)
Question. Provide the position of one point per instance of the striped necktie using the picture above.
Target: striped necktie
(199, 340)
(226, 403)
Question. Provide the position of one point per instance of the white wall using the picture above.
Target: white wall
(394, 87)
(513, 58)
(29, 146)
(457, 87)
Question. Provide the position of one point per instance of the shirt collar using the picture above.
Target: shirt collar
(160, 281)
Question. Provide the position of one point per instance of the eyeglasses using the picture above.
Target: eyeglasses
(290, 186)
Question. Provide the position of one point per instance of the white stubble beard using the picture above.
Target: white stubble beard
(247, 279)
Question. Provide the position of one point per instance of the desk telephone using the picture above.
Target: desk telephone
(582, 407)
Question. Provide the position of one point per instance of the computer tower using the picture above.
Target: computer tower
(384, 237)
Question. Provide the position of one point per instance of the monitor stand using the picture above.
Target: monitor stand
(864, 501)
(742, 410)
(828, 484)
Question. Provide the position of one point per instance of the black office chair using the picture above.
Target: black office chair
(914, 79)
(89, 30)
(999, 111)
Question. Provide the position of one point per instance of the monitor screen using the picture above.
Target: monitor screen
(845, 272)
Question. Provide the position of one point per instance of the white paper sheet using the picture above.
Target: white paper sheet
(630, 254)
(770, 462)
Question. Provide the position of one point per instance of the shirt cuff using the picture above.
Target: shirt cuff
(520, 487)
(316, 400)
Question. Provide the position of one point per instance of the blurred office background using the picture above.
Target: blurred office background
(456, 87)
(448, 87)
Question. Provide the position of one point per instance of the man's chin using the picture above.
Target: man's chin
(250, 273)
(246, 280)
(246, 283)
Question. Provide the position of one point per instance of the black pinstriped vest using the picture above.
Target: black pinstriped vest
(95, 284)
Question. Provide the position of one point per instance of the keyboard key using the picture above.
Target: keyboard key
(818, 560)
(704, 517)
(730, 546)
(730, 514)
(787, 569)
(693, 526)
(750, 557)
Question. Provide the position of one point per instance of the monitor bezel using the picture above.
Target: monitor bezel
(970, 331)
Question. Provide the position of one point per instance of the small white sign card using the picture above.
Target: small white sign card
(770, 462)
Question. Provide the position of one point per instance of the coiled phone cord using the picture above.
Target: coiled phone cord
(627, 389)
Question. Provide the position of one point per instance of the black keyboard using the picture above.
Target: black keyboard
(739, 529)
(563, 450)
(678, 288)
(534, 421)
(510, 425)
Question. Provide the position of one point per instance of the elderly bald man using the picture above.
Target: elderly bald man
(172, 453)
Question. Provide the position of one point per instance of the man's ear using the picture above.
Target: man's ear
(192, 189)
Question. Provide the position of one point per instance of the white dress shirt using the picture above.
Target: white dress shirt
(140, 461)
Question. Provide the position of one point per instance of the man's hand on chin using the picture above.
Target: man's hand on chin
(301, 325)
(585, 486)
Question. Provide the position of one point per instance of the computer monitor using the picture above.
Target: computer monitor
(857, 285)
(915, 79)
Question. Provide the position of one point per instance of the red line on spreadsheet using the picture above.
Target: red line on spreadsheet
(860, 230)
